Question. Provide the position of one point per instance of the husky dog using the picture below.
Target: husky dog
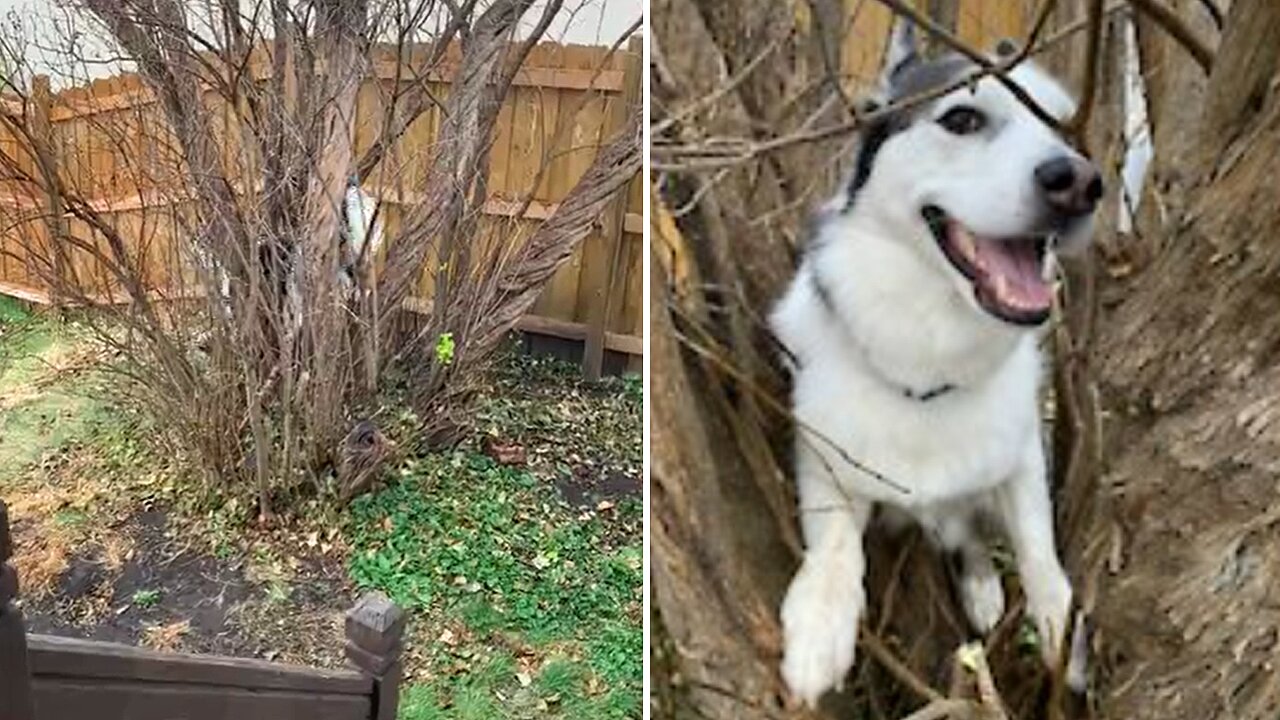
(913, 325)
(361, 227)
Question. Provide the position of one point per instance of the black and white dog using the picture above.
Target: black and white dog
(913, 323)
(359, 242)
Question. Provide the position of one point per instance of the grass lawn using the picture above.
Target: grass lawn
(524, 607)
(47, 387)
(524, 582)
(517, 553)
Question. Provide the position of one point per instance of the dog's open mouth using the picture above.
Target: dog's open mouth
(1007, 273)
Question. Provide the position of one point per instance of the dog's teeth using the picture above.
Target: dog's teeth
(1001, 286)
(965, 242)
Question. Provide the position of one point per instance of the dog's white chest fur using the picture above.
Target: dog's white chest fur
(868, 352)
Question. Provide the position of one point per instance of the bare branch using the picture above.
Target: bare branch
(418, 98)
(555, 239)
(1169, 21)
(1079, 124)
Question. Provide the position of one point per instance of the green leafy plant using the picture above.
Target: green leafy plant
(633, 387)
(145, 599)
(444, 349)
(464, 540)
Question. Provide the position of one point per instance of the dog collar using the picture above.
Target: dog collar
(929, 394)
(824, 297)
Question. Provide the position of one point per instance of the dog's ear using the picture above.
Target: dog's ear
(902, 51)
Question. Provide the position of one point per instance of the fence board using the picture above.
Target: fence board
(123, 699)
(500, 152)
(602, 309)
(15, 687)
(979, 22)
(66, 657)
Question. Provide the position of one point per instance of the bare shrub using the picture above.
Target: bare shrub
(254, 296)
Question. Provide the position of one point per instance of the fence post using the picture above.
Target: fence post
(45, 151)
(15, 674)
(614, 226)
(374, 629)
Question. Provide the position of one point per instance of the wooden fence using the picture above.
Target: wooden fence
(567, 101)
(54, 678)
(980, 22)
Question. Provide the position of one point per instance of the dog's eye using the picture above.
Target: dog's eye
(963, 120)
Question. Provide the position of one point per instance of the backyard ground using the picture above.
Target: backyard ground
(517, 554)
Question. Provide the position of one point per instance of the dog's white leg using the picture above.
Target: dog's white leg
(980, 588)
(954, 527)
(824, 603)
(1027, 514)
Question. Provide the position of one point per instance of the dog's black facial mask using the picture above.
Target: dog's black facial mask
(906, 75)
(873, 138)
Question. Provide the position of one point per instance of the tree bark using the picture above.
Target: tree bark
(1188, 534)
(719, 563)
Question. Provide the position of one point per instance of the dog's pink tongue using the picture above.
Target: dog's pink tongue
(1018, 263)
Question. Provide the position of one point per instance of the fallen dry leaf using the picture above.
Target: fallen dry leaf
(165, 637)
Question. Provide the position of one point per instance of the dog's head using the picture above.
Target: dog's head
(983, 188)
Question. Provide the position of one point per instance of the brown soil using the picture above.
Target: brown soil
(587, 486)
(198, 602)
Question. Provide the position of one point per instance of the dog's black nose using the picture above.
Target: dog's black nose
(1071, 185)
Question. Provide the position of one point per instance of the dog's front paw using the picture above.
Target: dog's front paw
(820, 630)
(1078, 660)
(1049, 604)
(983, 599)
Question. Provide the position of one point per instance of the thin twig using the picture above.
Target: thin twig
(828, 41)
(738, 150)
(707, 100)
(1080, 123)
(719, 153)
(732, 695)
(944, 708)
(1069, 31)
(877, 649)
(1038, 26)
(774, 404)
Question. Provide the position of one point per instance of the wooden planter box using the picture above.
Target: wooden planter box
(53, 678)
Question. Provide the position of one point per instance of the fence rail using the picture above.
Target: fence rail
(565, 103)
(54, 678)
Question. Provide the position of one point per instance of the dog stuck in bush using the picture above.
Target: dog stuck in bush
(913, 323)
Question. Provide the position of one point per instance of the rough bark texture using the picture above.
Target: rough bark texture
(1190, 532)
(707, 517)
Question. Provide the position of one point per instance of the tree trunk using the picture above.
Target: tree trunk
(1187, 537)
